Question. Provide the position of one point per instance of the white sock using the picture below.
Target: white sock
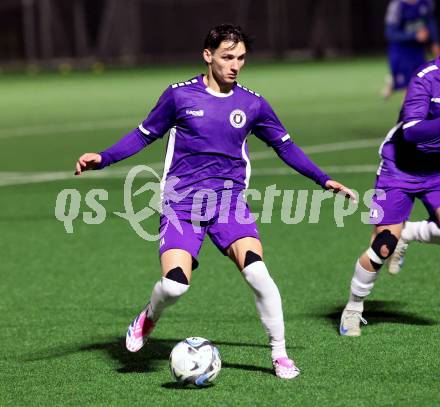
(361, 285)
(165, 293)
(269, 307)
(424, 231)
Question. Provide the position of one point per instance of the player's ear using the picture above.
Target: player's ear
(207, 55)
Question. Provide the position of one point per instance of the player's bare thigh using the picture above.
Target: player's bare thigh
(173, 258)
(396, 230)
(237, 250)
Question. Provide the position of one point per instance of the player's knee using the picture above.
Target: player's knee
(382, 248)
(251, 257)
(177, 274)
(175, 283)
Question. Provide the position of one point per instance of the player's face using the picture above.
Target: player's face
(226, 61)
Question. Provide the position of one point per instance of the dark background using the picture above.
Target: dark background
(145, 31)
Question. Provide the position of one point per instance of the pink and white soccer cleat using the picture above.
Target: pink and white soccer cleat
(285, 368)
(138, 331)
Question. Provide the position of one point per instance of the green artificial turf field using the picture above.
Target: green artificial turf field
(66, 299)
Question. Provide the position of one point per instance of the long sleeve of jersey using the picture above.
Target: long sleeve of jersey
(158, 122)
(127, 146)
(417, 128)
(425, 134)
(269, 129)
(394, 34)
(431, 25)
(295, 158)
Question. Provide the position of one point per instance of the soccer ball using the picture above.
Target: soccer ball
(195, 361)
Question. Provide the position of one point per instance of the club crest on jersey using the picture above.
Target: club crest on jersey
(237, 118)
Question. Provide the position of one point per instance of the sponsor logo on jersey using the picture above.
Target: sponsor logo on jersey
(197, 113)
(237, 118)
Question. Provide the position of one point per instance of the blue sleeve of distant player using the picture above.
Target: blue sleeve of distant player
(431, 24)
(269, 129)
(394, 34)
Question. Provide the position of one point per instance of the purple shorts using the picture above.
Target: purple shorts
(394, 207)
(223, 228)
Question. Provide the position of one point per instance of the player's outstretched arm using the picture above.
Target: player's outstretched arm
(269, 129)
(337, 187)
(295, 158)
(88, 161)
(158, 122)
(127, 146)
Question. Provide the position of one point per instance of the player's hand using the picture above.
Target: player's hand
(336, 187)
(422, 35)
(87, 161)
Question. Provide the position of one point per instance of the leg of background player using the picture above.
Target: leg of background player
(362, 283)
(247, 253)
(424, 232)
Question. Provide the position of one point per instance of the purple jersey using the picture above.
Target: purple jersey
(207, 142)
(403, 161)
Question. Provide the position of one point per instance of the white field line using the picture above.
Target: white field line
(7, 179)
(16, 178)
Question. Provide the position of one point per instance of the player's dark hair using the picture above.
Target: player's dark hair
(226, 32)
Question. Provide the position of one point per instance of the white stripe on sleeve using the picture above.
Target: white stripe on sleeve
(410, 124)
(143, 130)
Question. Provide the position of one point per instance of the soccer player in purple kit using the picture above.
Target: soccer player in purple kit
(210, 117)
(410, 168)
(409, 27)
